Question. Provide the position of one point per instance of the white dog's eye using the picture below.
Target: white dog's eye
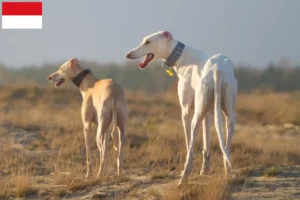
(147, 42)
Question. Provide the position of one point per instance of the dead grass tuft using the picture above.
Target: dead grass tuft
(270, 172)
(214, 189)
(159, 176)
(23, 186)
(60, 193)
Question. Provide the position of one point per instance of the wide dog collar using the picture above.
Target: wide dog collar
(174, 56)
(78, 79)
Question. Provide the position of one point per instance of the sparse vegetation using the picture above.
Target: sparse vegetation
(122, 179)
(42, 145)
(274, 171)
(159, 176)
(23, 186)
(60, 193)
(215, 188)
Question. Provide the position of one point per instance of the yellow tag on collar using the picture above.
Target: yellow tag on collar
(169, 72)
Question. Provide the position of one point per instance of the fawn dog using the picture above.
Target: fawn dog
(103, 102)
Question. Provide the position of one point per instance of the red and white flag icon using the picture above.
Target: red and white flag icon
(22, 15)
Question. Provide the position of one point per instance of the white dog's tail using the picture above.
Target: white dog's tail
(217, 109)
(114, 122)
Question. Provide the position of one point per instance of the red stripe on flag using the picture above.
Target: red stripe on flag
(22, 8)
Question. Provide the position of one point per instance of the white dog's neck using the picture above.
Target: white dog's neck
(189, 59)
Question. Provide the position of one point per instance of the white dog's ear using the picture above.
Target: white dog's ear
(72, 63)
(167, 35)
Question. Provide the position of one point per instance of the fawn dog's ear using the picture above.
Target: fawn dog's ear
(72, 63)
(167, 35)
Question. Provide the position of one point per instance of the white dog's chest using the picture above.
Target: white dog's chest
(192, 77)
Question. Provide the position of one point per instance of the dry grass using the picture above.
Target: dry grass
(23, 186)
(214, 189)
(272, 172)
(159, 176)
(269, 108)
(52, 142)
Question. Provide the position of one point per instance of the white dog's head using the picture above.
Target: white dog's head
(67, 71)
(154, 46)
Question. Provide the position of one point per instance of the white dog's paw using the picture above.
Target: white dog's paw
(182, 181)
(182, 172)
(179, 185)
(228, 176)
(204, 171)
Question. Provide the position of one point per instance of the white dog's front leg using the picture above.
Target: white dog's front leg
(230, 123)
(202, 105)
(196, 122)
(186, 95)
(186, 121)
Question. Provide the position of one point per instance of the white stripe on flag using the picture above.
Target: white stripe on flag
(21, 22)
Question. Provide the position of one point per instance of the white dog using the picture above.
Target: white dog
(202, 81)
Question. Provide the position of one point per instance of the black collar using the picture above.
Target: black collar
(78, 79)
(174, 56)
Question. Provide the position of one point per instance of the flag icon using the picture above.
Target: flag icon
(22, 15)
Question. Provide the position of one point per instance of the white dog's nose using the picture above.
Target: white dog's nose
(128, 55)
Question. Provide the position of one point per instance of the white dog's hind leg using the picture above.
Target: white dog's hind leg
(206, 145)
(86, 130)
(230, 123)
(218, 113)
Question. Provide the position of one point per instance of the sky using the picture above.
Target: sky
(250, 32)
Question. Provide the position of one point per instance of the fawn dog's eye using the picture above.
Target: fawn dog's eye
(147, 42)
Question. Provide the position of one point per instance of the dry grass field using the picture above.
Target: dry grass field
(42, 152)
